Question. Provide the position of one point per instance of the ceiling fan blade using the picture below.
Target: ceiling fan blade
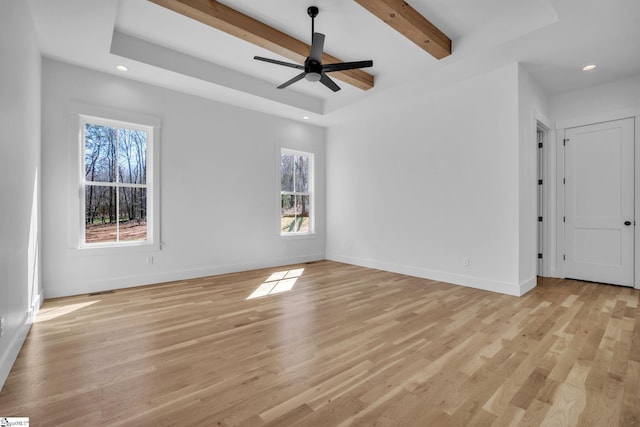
(317, 45)
(327, 68)
(326, 80)
(292, 81)
(274, 61)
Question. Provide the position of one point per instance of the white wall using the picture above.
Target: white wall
(218, 185)
(604, 102)
(20, 69)
(416, 188)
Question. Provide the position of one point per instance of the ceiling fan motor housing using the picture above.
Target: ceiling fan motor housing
(312, 11)
(313, 70)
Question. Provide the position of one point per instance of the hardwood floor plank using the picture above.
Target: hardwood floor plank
(570, 398)
(345, 346)
(509, 418)
(635, 340)
(530, 388)
(535, 414)
(630, 414)
(604, 405)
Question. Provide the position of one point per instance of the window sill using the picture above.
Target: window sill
(123, 249)
(299, 236)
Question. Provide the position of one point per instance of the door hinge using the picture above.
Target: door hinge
(539, 144)
(564, 257)
(564, 219)
(564, 141)
(539, 219)
(564, 180)
(539, 182)
(539, 256)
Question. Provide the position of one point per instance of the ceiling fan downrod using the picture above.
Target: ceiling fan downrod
(312, 11)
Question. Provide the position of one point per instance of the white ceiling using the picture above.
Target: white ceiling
(552, 38)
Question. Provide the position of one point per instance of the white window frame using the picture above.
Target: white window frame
(79, 116)
(310, 192)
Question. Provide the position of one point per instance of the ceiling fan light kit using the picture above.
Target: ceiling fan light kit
(313, 69)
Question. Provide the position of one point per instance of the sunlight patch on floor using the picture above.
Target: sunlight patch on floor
(278, 282)
(50, 313)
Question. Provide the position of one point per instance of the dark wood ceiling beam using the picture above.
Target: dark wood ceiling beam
(224, 18)
(408, 22)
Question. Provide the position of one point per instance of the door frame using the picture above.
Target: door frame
(557, 268)
(547, 224)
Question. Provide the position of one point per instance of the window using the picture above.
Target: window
(296, 192)
(117, 191)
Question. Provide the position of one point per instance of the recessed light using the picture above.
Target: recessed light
(121, 68)
(305, 117)
(590, 67)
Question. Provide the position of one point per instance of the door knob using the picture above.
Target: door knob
(627, 223)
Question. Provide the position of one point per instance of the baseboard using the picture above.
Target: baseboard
(513, 289)
(13, 349)
(171, 276)
(528, 285)
(33, 311)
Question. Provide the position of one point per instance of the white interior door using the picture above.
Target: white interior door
(599, 202)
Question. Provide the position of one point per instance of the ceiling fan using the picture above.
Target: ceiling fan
(314, 69)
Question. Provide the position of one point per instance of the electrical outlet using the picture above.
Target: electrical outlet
(465, 261)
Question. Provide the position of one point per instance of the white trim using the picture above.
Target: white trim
(514, 289)
(559, 267)
(131, 281)
(528, 285)
(561, 128)
(543, 119)
(79, 113)
(35, 308)
(13, 349)
(310, 191)
(636, 235)
(597, 118)
(109, 249)
(548, 199)
(298, 236)
(84, 120)
(548, 202)
(125, 116)
(551, 205)
(541, 204)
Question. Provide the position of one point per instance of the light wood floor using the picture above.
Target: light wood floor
(345, 346)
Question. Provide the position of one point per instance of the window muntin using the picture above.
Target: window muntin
(296, 192)
(116, 183)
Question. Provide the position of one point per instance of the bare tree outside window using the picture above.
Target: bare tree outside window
(115, 183)
(295, 192)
